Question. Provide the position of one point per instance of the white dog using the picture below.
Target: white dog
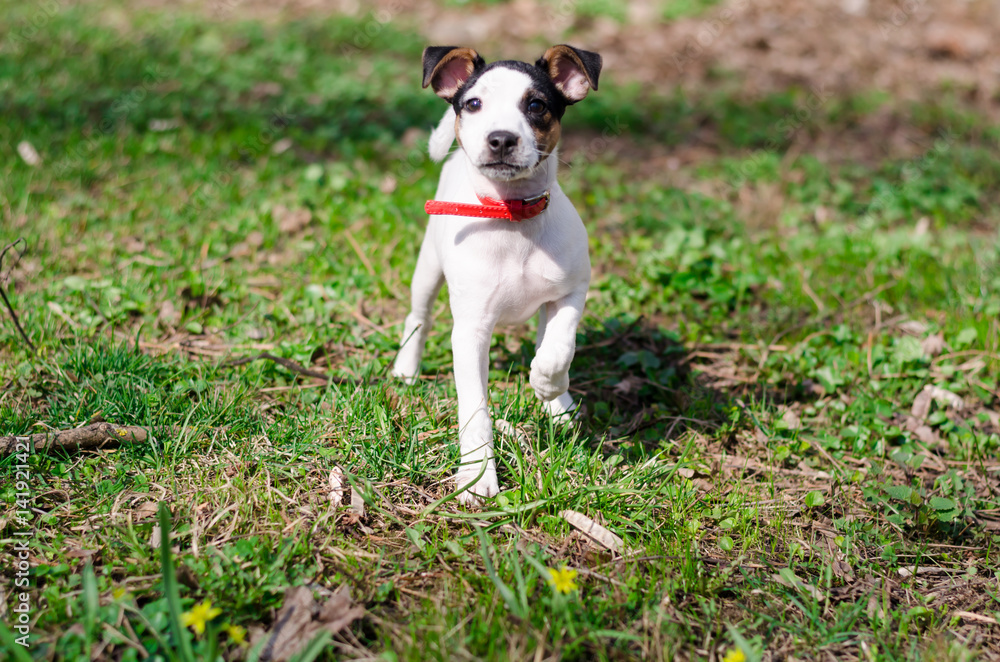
(502, 233)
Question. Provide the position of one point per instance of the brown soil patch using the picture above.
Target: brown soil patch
(907, 49)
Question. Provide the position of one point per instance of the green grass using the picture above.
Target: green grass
(756, 336)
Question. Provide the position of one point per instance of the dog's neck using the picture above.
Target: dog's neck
(541, 179)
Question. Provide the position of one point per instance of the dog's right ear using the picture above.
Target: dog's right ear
(446, 68)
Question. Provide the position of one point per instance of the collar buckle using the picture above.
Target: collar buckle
(545, 195)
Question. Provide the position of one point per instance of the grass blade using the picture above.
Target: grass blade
(20, 654)
(508, 596)
(170, 588)
(90, 601)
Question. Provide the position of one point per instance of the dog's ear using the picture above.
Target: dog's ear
(573, 71)
(446, 68)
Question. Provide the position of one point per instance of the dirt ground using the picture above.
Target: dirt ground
(907, 48)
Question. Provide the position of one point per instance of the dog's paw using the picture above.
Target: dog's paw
(562, 409)
(548, 379)
(486, 487)
(405, 373)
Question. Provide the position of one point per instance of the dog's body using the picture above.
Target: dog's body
(506, 119)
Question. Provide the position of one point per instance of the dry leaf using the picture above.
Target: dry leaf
(168, 316)
(594, 531)
(281, 146)
(788, 578)
(388, 184)
(160, 125)
(145, 509)
(291, 221)
(357, 503)
(301, 618)
(841, 568)
(265, 89)
(945, 397)
(933, 345)
(336, 486)
(791, 419)
(29, 153)
(913, 327)
(629, 385)
(921, 405)
(976, 618)
(926, 434)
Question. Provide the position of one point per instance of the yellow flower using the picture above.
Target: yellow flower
(199, 615)
(562, 579)
(236, 633)
(735, 655)
(121, 593)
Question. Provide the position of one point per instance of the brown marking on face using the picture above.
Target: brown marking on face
(458, 129)
(544, 125)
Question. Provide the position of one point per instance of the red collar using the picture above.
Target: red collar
(512, 210)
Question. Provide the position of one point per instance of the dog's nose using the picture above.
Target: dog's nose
(501, 142)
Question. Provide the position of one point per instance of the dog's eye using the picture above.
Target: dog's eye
(536, 106)
(472, 105)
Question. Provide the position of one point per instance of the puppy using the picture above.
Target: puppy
(502, 233)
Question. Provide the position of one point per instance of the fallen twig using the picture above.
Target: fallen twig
(291, 365)
(90, 436)
(3, 294)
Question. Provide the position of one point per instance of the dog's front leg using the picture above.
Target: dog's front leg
(557, 322)
(427, 281)
(470, 340)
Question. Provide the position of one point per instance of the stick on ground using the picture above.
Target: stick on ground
(3, 295)
(90, 436)
(291, 365)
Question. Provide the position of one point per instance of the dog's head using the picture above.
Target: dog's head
(507, 114)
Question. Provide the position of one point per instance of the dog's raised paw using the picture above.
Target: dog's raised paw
(486, 487)
(548, 381)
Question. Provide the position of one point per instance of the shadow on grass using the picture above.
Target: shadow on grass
(635, 385)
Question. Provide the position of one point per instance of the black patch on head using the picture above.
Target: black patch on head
(540, 83)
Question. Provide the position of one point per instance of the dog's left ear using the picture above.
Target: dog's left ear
(446, 68)
(573, 71)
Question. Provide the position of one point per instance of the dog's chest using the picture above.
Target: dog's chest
(511, 270)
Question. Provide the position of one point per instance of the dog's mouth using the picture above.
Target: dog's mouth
(504, 169)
